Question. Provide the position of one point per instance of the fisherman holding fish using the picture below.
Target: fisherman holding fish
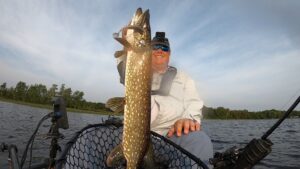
(176, 108)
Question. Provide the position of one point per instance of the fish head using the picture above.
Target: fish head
(139, 33)
(136, 35)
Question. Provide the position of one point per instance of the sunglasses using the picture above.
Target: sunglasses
(162, 47)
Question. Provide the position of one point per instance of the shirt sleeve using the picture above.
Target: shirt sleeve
(154, 109)
(192, 103)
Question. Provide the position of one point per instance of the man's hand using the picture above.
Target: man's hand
(185, 125)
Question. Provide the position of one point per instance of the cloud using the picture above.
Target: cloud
(234, 58)
(233, 50)
(56, 43)
(264, 83)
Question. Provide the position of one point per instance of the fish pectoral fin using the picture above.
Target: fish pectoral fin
(120, 53)
(116, 104)
(124, 42)
(115, 157)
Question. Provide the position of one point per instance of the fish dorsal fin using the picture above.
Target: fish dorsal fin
(116, 104)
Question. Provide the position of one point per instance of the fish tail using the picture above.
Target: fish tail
(148, 161)
(115, 157)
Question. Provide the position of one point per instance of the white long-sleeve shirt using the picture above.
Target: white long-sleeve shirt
(183, 101)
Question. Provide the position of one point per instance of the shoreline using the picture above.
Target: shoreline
(49, 107)
(104, 112)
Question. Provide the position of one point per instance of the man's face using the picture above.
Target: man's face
(160, 58)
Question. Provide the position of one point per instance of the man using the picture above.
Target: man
(175, 103)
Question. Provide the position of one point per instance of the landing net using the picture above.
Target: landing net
(90, 147)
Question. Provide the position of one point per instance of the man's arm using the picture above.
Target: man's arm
(192, 103)
(192, 114)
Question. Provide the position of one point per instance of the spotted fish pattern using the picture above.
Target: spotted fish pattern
(136, 38)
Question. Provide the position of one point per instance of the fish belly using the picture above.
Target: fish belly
(137, 108)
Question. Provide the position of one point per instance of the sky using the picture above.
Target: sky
(242, 55)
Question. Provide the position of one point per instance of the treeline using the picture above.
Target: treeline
(40, 94)
(225, 113)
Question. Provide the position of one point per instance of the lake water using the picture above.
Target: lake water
(18, 122)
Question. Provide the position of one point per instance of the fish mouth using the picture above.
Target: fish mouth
(141, 23)
(139, 38)
(141, 19)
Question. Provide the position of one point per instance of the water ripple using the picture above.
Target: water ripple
(18, 122)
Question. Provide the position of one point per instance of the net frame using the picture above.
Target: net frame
(89, 147)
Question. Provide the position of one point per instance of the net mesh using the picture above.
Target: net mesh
(90, 147)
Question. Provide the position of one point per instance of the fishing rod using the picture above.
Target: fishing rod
(253, 152)
(286, 114)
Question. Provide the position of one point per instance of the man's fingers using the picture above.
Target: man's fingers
(171, 131)
(198, 126)
(192, 125)
(186, 126)
(178, 127)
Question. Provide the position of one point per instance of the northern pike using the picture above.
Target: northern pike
(136, 39)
